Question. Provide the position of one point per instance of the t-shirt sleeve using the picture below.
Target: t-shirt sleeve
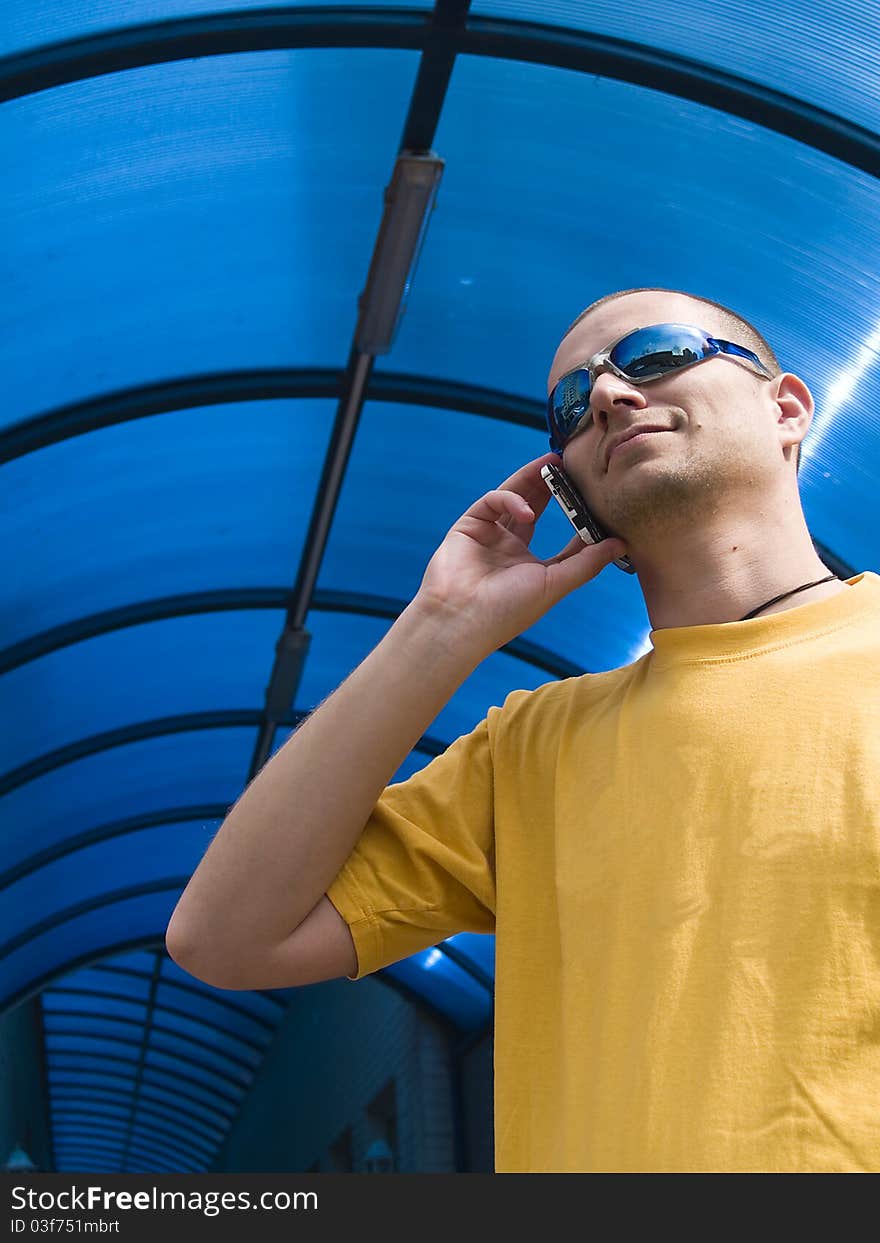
(424, 867)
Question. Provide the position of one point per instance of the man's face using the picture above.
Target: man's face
(720, 441)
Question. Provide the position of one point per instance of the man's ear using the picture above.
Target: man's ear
(795, 405)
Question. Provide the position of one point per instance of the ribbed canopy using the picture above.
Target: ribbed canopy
(193, 193)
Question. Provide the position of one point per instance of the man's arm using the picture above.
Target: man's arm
(254, 913)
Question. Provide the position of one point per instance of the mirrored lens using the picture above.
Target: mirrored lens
(653, 351)
(569, 402)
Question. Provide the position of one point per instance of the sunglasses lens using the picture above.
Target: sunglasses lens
(651, 352)
(569, 402)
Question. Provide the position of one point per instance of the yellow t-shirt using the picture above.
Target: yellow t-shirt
(680, 860)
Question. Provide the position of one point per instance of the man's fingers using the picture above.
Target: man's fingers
(578, 562)
(612, 547)
(529, 476)
(528, 483)
(501, 503)
(571, 549)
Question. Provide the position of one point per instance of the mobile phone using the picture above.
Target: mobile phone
(575, 509)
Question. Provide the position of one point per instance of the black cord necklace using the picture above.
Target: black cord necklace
(776, 599)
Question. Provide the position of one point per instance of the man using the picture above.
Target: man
(680, 858)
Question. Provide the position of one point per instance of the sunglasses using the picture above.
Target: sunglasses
(639, 356)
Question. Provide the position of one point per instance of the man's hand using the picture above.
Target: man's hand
(484, 577)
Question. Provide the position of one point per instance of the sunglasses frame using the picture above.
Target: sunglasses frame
(601, 361)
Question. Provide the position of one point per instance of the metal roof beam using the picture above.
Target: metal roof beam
(195, 1019)
(83, 1098)
(235, 599)
(115, 1086)
(99, 1152)
(164, 1030)
(228, 387)
(93, 745)
(238, 1083)
(578, 50)
(446, 23)
(71, 1060)
(59, 990)
(71, 1114)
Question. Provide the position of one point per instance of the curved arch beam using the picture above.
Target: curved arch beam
(228, 387)
(70, 1061)
(117, 1087)
(238, 1085)
(162, 1029)
(90, 1149)
(104, 1154)
(558, 47)
(70, 1117)
(235, 599)
(151, 941)
(163, 1007)
(158, 728)
(78, 1098)
(148, 1142)
(63, 916)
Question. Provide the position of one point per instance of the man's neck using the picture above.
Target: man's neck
(724, 575)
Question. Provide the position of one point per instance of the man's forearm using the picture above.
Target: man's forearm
(290, 832)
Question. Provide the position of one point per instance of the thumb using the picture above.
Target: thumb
(579, 562)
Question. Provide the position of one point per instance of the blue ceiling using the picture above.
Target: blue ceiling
(192, 201)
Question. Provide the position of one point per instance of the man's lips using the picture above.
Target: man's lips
(633, 436)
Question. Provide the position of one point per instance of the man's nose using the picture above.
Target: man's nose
(612, 394)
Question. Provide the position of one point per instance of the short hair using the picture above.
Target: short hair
(737, 327)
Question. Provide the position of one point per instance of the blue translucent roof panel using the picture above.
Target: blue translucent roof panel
(827, 53)
(265, 1006)
(208, 1076)
(207, 499)
(210, 1012)
(340, 642)
(140, 962)
(157, 669)
(88, 1007)
(67, 1091)
(113, 186)
(208, 1125)
(221, 1040)
(477, 947)
(61, 1108)
(91, 935)
(224, 1063)
(98, 980)
(413, 471)
(71, 1059)
(27, 25)
(123, 1046)
(146, 857)
(445, 986)
(100, 793)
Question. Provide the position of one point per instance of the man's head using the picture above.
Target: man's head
(733, 435)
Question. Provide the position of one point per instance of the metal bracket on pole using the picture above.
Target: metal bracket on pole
(290, 654)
